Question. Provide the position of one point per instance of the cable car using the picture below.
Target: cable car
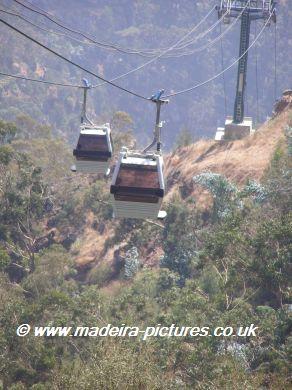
(94, 149)
(137, 187)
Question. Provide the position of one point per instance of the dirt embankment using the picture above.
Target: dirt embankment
(238, 160)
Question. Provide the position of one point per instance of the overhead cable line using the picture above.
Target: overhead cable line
(58, 33)
(91, 39)
(124, 89)
(10, 12)
(201, 35)
(212, 42)
(72, 62)
(230, 66)
(40, 81)
(157, 57)
(216, 39)
(55, 20)
(144, 53)
(159, 53)
(141, 66)
(128, 51)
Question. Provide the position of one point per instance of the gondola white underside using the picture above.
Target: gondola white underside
(91, 165)
(97, 167)
(139, 210)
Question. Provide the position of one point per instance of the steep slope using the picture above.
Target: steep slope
(237, 160)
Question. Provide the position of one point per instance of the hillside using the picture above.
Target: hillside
(221, 258)
(238, 161)
(199, 300)
(135, 24)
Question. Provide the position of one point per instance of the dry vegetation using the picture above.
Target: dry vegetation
(237, 160)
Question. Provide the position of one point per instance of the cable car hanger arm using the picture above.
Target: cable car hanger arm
(86, 87)
(156, 98)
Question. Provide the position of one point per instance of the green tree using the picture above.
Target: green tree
(272, 259)
(179, 242)
(132, 263)
(22, 199)
(4, 259)
(8, 131)
(224, 193)
(121, 125)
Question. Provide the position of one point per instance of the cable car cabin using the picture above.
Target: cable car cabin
(137, 186)
(94, 149)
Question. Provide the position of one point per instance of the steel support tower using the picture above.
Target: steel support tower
(248, 10)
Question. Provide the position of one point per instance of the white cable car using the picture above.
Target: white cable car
(94, 149)
(137, 187)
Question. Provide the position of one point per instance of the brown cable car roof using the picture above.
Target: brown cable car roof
(137, 179)
(91, 145)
